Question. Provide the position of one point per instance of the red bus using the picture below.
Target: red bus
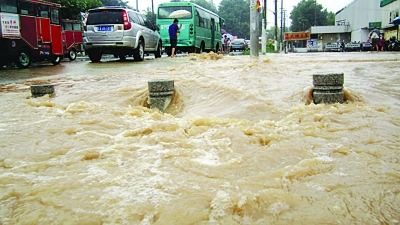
(30, 31)
(73, 38)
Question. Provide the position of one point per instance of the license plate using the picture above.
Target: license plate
(104, 28)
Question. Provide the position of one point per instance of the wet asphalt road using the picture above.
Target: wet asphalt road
(82, 64)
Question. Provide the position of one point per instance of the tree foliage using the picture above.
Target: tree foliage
(71, 9)
(115, 3)
(309, 13)
(206, 4)
(237, 17)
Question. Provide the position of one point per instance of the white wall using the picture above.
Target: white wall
(386, 10)
(359, 14)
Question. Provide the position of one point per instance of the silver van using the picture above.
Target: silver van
(121, 32)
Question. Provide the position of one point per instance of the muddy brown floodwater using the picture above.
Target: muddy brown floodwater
(240, 143)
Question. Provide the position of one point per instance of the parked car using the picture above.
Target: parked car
(121, 32)
(248, 43)
(239, 44)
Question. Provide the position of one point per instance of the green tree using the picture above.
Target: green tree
(308, 13)
(115, 3)
(150, 16)
(237, 17)
(206, 4)
(72, 9)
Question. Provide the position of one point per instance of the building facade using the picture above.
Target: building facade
(355, 21)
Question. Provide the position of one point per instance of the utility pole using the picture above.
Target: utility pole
(152, 9)
(281, 42)
(276, 25)
(264, 30)
(137, 5)
(254, 28)
(284, 29)
(315, 14)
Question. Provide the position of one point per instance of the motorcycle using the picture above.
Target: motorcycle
(394, 45)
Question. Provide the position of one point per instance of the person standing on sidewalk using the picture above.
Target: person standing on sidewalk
(173, 36)
(374, 37)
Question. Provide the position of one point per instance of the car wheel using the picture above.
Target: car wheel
(23, 60)
(95, 56)
(2, 63)
(158, 53)
(72, 54)
(138, 55)
(55, 59)
(122, 57)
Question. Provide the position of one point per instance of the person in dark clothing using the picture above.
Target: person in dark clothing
(374, 38)
(381, 43)
(173, 36)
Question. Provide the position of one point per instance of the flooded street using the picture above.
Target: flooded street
(240, 143)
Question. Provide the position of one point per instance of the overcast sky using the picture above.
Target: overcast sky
(331, 5)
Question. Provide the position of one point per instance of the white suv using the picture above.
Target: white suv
(121, 32)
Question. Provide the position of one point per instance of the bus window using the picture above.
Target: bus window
(197, 18)
(9, 6)
(43, 11)
(77, 26)
(55, 16)
(68, 26)
(172, 12)
(26, 8)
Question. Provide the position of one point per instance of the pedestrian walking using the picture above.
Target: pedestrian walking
(225, 43)
(222, 45)
(374, 38)
(228, 45)
(173, 36)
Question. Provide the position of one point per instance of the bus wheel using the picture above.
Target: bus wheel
(23, 60)
(139, 52)
(72, 54)
(95, 56)
(201, 49)
(55, 59)
(158, 53)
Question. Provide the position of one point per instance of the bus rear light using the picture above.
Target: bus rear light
(127, 24)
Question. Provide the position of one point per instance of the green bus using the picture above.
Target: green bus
(201, 28)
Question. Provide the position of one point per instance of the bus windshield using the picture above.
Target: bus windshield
(172, 12)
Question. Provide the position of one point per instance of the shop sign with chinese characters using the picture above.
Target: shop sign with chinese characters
(294, 36)
(9, 25)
